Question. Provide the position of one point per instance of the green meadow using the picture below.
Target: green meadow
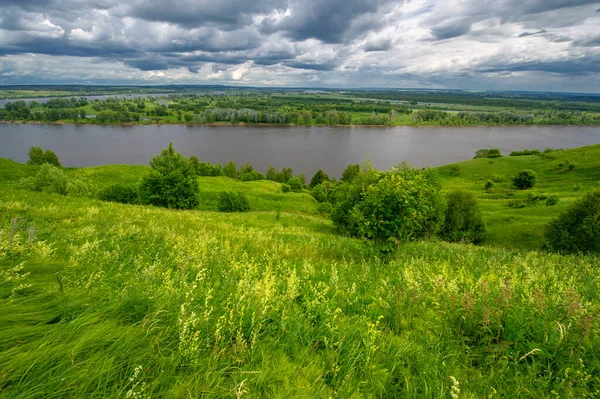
(104, 300)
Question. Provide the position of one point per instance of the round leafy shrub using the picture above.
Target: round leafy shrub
(78, 188)
(324, 207)
(295, 184)
(51, 158)
(49, 179)
(488, 184)
(463, 221)
(36, 156)
(525, 179)
(286, 188)
(252, 176)
(171, 183)
(402, 206)
(119, 193)
(230, 201)
(577, 229)
(319, 193)
(497, 178)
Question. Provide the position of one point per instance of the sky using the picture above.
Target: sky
(546, 45)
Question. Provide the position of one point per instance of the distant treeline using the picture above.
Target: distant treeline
(283, 109)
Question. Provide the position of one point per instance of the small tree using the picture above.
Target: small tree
(246, 168)
(402, 206)
(171, 183)
(233, 202)
(525, 179)
(36, 156)
(295, 184)
(319, 193)
(230, 170)
(577, 229)
(463, 221)
(318, 178)
(119, 193)
(50, 158)
(285, 175)
(350, 173)
(272, 173)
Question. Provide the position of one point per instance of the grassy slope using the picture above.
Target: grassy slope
(249, 305)
(523, 228)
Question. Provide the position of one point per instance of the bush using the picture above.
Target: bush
(286, 188)
(497, 178)
(50, 158)
(78, 188)
(525, 179)
(524, 152)
(552, 200)
(463, 221)
(49, 179)
(272, 174)
(324, 208)
(246, 168)
(36, 156)
(403, 205)
(318, 178)
(285, 175)
(488, 153)
(488, 184)
(350, 173)
(119, 193)
(171, 183)
(230, 170)
(577, 229)
(233, 202)
(252, 176)
(319, 193)
(296, 184)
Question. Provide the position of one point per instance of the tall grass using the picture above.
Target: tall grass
(159, 303)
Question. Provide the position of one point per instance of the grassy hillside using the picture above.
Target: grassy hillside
(523, 227)
(109, 300)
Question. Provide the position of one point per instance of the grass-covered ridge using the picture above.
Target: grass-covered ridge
(108, 300)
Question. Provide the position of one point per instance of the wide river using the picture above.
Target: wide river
(304, 149)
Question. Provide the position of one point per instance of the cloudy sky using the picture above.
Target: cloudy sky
(549, 45)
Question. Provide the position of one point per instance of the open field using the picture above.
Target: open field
(110, 300)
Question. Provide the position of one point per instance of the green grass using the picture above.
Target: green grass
(177, 304)
(523, 228)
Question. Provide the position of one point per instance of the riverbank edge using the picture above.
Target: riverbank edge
(213, 124)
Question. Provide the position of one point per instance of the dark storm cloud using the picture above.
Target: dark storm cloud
(588, 42)
(328, 21)
(570, 67)
(193, 13)
(451, 29)
(540, 32)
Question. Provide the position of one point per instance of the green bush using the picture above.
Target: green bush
(285, 175)
(552, 200)
(319, 193)
(245, 169)
(36, 156)
(49, 179)
(525, 179)
(488, 184)
(230, 170)
(403, 205)
(230, 201)
(77, 188)
(488, 153)
(497, 178)
(119, 193)
(296, 184)
(524, 152)
(318, 178)
(286, 188)
(324, 208)
(171, 183)
(252, 176)
(50, 158)
(350, 173)
(577, 229)
(463, 221)
(272, 174)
